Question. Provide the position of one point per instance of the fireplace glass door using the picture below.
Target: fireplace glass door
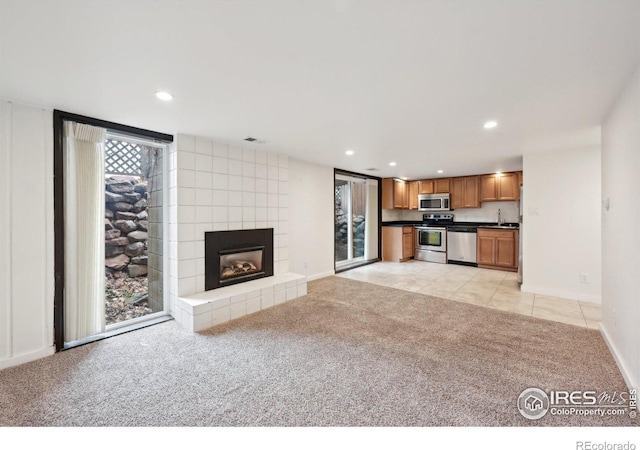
(235, 264)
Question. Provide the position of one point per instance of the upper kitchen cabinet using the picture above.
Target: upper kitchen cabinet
(435, 186)
(414, 189)
(500, 187)
(464, 192)
(441, 186)
(426, 186)
(395, 194)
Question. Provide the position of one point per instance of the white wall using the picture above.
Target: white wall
(620, 231)
(311, 231)
(26, 233)
(562, 240)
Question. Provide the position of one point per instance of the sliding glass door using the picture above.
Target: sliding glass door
(110, 246)
(356, 219)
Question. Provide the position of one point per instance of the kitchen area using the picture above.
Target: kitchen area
(472, 221)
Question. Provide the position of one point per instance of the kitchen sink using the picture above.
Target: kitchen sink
(502, 227)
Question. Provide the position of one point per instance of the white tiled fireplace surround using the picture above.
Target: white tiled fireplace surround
(214, 186)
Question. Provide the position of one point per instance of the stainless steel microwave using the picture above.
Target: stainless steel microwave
(434, 202)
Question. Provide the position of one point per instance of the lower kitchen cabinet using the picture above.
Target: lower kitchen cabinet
(397, 243)
(498, 249)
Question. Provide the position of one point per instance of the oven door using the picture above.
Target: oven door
(434, 239)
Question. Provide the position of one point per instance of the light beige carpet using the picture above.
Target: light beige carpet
(347, 354)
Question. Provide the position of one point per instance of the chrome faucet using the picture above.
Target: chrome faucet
(499, 218)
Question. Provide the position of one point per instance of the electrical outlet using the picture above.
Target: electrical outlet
(534, 212)
(584, 278)
(613, 316)
(306, 264)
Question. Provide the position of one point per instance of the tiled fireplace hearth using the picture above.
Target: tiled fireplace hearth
(218, 187)
(207, 309)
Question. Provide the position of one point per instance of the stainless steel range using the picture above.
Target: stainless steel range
(431, 238)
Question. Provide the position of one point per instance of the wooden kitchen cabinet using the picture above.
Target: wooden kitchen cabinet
(464, 192)
(441, 186)
(397, 243)
(395, 194)
(498, 249)
(414, 188)
(500, 187)
(435, 186)
(426, 186)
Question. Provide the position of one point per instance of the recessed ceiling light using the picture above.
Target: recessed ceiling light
(162, 95)
(490, 124)
(392, 163)
(440, 171)
(349, 152)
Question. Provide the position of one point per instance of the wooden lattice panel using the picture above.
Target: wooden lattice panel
(122, 158)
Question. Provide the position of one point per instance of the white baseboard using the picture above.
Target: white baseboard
(632, 382)
(560, 293)
(22, 359)
(321, 275)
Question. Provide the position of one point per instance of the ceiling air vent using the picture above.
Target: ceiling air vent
(250, 139)
(372, 169)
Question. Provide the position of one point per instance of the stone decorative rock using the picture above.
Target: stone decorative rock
(133, 197)
(126, 226)
(117, 242)
(113, 251)
(137, 270)
(142, 259)
(140, 205)
(123, 206)
(141, 188)
(110, 197)
(111, 234)
(125, 215)
(117, 262)
(138, 236)
(119, 186)
(134, 249)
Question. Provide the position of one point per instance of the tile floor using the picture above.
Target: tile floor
(484, 287)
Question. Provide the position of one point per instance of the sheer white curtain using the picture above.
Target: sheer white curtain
(84, 298)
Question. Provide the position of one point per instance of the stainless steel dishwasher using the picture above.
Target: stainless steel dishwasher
(461, 243)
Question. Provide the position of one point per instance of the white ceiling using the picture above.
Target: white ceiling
(407, 81)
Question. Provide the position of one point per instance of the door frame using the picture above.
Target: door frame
(337, 268)
(58, 200)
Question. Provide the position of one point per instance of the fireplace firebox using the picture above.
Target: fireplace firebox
(236, 256)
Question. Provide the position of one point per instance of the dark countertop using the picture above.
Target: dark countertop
(403, 223)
